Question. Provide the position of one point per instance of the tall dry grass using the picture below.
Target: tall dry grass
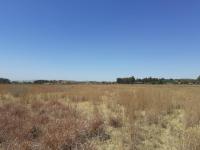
(42, 117)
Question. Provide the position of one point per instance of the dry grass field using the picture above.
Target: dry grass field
(99, 117)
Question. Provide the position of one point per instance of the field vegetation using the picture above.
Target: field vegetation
(99, 117)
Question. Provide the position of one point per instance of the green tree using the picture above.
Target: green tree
(4, 81)
(198, 79)
(131, 80)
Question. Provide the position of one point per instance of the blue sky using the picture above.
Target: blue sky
(99, 39)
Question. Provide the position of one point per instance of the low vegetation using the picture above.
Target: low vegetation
(101, 117)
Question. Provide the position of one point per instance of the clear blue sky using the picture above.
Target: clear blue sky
(99, 39)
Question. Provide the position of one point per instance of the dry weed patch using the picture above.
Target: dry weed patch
(46, 125)
(128, 117)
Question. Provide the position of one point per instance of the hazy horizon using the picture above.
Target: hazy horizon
(99, 40)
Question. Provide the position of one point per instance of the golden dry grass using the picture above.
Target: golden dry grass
(118, 117)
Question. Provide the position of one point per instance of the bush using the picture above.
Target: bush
(4, 81)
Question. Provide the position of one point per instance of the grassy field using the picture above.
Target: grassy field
(99, 117)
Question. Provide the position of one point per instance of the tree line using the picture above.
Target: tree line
(126, 80)
(151, 80)
(8, 81)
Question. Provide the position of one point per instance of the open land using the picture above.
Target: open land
(99, 117)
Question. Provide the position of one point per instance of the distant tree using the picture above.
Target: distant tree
(198, 79)
(129, 80)
(4, 81)
(119, 80)
(41, 81)
(132, 79)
